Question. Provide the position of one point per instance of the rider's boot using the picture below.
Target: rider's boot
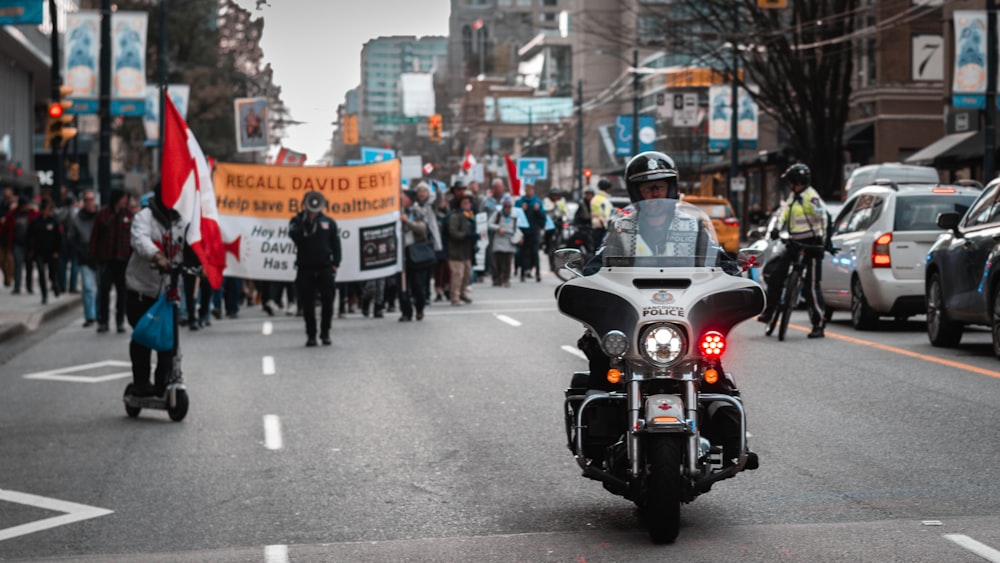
(817, 332)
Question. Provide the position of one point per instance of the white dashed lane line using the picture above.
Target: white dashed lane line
(276, 554)
(575, 351)
(268, 328)
(508, 320)
(267, 365)
(272, 432)
(980, 549)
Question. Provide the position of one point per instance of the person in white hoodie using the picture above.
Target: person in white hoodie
(157, 248)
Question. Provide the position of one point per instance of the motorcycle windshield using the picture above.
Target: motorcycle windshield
(661, 233)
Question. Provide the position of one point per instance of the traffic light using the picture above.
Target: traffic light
(57, 132)
(350, 129)
(587, 172)
(434, 127)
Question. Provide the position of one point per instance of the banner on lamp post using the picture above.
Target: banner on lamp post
(968, 89)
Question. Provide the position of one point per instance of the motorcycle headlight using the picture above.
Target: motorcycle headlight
(615, 343)
(662, 344)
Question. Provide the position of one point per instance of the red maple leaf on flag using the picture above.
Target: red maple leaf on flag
(469, 161)
(186, 187)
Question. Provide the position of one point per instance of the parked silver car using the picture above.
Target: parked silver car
(883, 234)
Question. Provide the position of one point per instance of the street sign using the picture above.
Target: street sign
(686, 115)
(375, 154)
(398, 119)
(739, 184)
(533, 168)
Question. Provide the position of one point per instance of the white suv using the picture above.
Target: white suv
(883, 234)
(894, 171)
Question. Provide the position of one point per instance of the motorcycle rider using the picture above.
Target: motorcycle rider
(652, 175)
(805, 219)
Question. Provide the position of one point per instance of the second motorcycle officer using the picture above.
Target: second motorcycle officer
(317, 242)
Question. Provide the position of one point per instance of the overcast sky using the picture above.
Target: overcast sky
(314, 47)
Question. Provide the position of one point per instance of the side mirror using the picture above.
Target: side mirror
(569, 258)
(750, 258)
(948, 221)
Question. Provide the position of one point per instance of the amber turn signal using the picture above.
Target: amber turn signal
(614, 375)
(711, 376)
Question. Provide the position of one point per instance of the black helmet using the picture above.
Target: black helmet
(649, 166)
(797, 174)
(604, 184)
(555, 191)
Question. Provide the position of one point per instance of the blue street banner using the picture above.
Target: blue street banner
(20, 12)
(82, 44)
(969, 83)
(530, 169)
(179, 95)
(719, 112)
(746, 119)
(128, 63)
(375, 154)
(623, 134)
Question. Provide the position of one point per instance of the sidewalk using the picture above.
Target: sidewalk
(25, 312)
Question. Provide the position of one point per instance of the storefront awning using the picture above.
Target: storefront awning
(859, 134)
(957, 146)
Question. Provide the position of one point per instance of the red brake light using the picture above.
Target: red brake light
(712, 344)
(731, 222)
(880, 252)
(943, 190)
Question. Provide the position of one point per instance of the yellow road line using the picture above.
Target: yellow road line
(902, 352)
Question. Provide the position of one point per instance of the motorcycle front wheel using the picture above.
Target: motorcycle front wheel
(663, 487)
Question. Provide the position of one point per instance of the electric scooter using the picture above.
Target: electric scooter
(175, 398)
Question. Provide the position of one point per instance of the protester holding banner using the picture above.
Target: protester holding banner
(317, 244)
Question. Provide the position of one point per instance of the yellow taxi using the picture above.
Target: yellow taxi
(727, 226)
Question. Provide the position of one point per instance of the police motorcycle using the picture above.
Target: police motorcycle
(661, 311)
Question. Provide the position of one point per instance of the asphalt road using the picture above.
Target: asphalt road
(442, 440)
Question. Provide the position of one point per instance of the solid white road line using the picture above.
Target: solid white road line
(272, 432)
(980, 549)
(276, 554)
(268, 365)
(509, 320)
(268, 328)
(575, 351)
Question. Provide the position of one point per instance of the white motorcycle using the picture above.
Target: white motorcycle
(660, 306)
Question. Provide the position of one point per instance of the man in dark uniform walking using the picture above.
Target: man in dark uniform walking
(318, 245)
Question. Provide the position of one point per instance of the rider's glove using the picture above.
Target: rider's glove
(775, 234)
(830, 248)
(162, 262)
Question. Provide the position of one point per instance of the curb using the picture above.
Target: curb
(33, 320)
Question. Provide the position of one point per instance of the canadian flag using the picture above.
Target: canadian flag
(477, 24)
(428, 168)
(469, 161)
(290, 158)
(187, 188)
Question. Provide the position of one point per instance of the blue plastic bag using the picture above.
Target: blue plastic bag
(155, 330)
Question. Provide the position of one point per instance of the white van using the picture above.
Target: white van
(897, 172)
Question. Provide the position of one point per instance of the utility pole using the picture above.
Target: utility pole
(56, 79)
(989, 152)
(635, 102)
(162, 57)
(579, 140)
(734, 137)
(104, 105)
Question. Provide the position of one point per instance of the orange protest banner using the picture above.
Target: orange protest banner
(275, 192)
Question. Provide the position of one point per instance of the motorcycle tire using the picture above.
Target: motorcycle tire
(792, 289)
(662, 510)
